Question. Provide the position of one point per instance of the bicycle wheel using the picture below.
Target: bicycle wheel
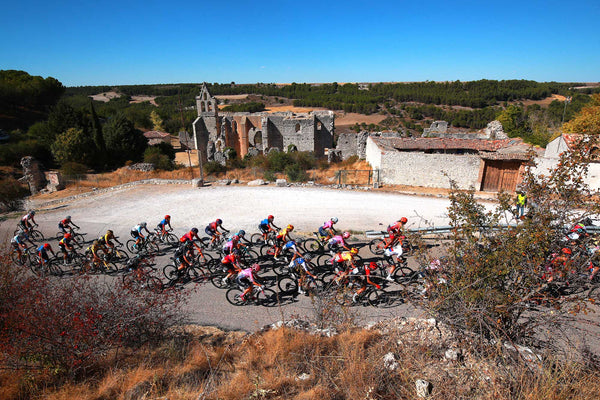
(324, 262)
(249, 256)
(204, 261)
(257, 239)
(36, 235)
(151, 248)
(171, 272)
(196, 274)
(218, 281)
(377, 246)
(14, 256)
(312, 245)
(171, 239)
(214, 266)
(267, 250)
(287, 284)
(109, 267)
(131, 247)
(234, 297)
(267, 298)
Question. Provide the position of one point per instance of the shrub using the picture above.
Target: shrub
(63, 326)
(12, 193)
(154, 155)
(269, 176)
(214, 167)
(295, 173)
(70, 169)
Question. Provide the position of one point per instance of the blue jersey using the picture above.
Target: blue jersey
(163, 223)
(265, 221)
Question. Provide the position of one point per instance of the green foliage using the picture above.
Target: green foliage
(245, 107)
(269, 176)
(154, 155)
(74, 145)
(11, 194)
(295, 173)
(12, 152)
(157, 122)
(123, 141)
(72, 169)
(214, 167)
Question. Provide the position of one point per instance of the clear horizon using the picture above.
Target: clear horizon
(131, 43)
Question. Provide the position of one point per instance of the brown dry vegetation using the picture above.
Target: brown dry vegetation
(207, 363)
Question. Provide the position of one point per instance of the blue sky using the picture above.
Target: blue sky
(145, 42)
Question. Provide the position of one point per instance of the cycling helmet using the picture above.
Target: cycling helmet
(566, 250)
(219, 221)
(235, 238)
(403, 220)
(346, 235)
(255, 267)
(290, 227)
(270, 218)
(68, 236)
(68, 217)
(372, 265)
(241, 233)
(167, 216)
(46, 245)
(354, 250)
(32, 212)
(109, 232)
(195, 230)
(334, 220)
(143, 224)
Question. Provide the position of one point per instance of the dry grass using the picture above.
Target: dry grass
(290, 364)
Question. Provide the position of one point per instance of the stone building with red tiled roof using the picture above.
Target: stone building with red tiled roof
(156, 137)
(489, 165)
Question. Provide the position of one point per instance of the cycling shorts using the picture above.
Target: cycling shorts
(263, 228)
(209, 232)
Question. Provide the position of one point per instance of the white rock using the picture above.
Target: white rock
(389, 362)
(281, 182)
(256, 182)
(423, 387)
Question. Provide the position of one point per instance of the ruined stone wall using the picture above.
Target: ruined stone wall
(324, 131)
(297, 131)
(420, 169)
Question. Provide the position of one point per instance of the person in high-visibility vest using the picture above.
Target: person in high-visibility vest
(521, 203)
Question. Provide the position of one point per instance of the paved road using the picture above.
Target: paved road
(242, 208)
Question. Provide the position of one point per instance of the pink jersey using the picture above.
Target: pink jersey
(328, 224)
(246, 273)
(337, 239)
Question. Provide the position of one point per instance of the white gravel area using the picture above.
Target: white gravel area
(243, 207)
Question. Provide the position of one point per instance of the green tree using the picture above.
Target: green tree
(74, 145)
(587, 120)
(123, 141)
(96, 129)
(513, 120)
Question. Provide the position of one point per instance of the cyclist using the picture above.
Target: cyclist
(65, 245)
(327, 230)
(136, 233)
(338, 241)
(301, 265)
(27, 221)
(290, 246)
(266, 226)
(93, 250)
(282, 237)
(394, 248)
(231, 264)
(246, 278)
(184, 256)
(364, 274)
(241, 234)
(190, 237)
(212, 230)
(343, 263)
(398, 227)
(106, 240)
(557, 265)
(18, 242)
(43, 253)
(66, 224)
(232, 244)
(162, 225)
(578, 231)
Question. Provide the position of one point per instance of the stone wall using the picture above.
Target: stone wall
(436, 128)
(420, 169)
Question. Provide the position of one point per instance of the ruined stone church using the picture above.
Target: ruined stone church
(255, 133)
